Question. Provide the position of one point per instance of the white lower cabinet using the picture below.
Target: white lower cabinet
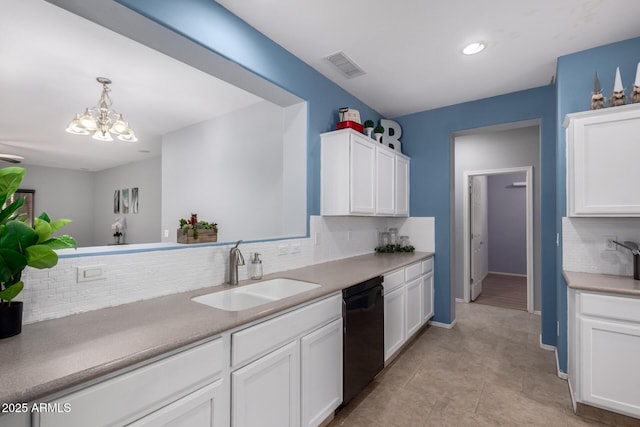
(408, 304)
(202, 408)
(186, 389)
(394, 321)
(604, 349)
(289, 368)
(414, 304)
(267, 391)
(427, 297)
(321, 373)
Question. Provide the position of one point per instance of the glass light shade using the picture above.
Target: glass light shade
(128, 136)
(98, 135)
(87, 121)
(75, 127)
(119, 126)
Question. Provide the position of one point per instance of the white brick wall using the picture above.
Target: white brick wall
(583, 244)
(137, 276)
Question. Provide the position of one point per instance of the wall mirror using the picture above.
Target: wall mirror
(214, 139)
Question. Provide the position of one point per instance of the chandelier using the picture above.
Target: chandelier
(102, 120)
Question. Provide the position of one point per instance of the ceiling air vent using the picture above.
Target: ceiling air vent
(345, 65)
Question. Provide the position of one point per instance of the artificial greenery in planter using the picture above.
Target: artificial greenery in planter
(194, 231)
(378, 131)
(22, 246)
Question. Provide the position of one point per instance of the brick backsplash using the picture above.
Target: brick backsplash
(130, 277)
(583, 245)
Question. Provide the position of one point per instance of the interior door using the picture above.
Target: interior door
(477, 239)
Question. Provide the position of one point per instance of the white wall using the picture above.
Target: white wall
(229, 170)
(134, 276)
(143, 227)
(64, 193)
(496, 149)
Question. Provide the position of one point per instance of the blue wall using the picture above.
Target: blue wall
(215, 28)
(574, 83)
(507, 223)
(426, 135)
(427, 139)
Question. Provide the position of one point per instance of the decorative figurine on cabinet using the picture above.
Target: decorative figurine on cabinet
(617, 97)
(635, 93)
(597, 98)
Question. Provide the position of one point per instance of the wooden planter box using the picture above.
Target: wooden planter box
(204, 236)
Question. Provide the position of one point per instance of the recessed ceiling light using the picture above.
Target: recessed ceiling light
(473, 48)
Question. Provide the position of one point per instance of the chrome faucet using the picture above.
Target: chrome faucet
(235, 259)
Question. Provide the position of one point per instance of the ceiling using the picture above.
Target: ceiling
(410, 49)
(50, 61)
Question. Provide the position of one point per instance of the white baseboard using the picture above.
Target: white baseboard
(560, 373)
(460, 300)
(573, 399)
(546, 346)
(443, 325)
(507, 274)
(538, 312)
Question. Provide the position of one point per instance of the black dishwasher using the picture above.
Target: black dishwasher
(363, 336)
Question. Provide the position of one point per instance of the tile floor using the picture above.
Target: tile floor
(487, 371)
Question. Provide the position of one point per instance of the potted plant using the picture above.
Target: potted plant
(368, 127)
(22, 245)
(194, 231)
(378, 131)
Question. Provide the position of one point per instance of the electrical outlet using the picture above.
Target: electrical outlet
(283, 249)
(608, 243)
(295, 248)
(166, 233)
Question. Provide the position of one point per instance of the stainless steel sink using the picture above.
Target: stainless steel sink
(255, 294)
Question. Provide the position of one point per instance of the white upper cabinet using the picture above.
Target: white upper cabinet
(362, 177)
(402, 185)
(385, 182)
(603, 158)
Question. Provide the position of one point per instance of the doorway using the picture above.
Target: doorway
(504, 287)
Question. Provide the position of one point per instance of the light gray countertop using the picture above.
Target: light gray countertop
(608, 283)
(53, 355)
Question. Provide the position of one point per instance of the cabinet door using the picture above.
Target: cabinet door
(267, 392)
(427, 297)
(321, 355)
(609, 375)
(394, 321)
(414, 303)
(602, 161)
(202, 408)
(385, 181)
(402, 186)
(362, 178)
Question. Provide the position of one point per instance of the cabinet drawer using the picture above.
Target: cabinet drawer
(412, 271)
(393, 280)
(125, 398)
(613, 307)
(255, 340)
(427, 265)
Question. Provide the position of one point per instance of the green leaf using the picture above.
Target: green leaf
(11, 265)
(41, 256)
(43, 216)
(43, 229)
(10, 179)
(11, 292)
(61, 242)
(9, 210)
(17, 235)
(58, 224)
